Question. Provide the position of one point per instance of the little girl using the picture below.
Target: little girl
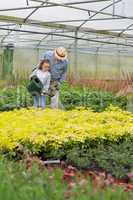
(43, 74)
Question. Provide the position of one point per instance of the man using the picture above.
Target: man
(59, 63)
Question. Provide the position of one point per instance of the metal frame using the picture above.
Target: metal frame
(63, 32)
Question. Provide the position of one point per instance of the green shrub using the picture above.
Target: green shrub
(113, 157)
(18, 183)
(71, 97)
(11, 98)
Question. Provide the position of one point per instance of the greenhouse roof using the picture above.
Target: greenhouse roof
(85, 25)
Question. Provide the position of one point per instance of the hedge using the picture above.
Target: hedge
(80, 136)
(71, 97)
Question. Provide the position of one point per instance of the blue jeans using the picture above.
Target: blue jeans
(39, 101)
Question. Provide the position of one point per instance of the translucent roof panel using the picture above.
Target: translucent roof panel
(95, 24)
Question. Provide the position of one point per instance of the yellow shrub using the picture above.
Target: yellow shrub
(57, 127)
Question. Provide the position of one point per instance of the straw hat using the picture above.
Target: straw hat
(60, 53)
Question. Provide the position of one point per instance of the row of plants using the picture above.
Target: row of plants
(18, 181)
(97, 100)
(81, 137)
(14, 97)
(71, 97)
(116, 158)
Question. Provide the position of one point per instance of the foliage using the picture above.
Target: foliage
(18, 182)
(56, 127)
(115, 158)
(11, 98)
(71, 97)
(104, 139)
(95, 99)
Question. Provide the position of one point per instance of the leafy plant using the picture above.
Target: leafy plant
(82, 137)
(33, 183)
(71, 97)
(11, 98)
(115, 158)
(97, 100)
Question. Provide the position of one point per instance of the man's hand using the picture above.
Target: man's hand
(58, 85)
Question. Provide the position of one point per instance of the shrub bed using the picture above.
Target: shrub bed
(115, 158)
(82, 137)
(39, 183)
(14, 97)
(71, 97)
(97, 100)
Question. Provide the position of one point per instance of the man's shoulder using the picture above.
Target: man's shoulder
(49, 53)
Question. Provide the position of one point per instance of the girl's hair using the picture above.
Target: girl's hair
(42, 62)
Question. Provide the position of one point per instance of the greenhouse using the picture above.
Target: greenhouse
(66, 99)
(90, 30)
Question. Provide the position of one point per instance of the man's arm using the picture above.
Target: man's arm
(63, 76)
(46, 55)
